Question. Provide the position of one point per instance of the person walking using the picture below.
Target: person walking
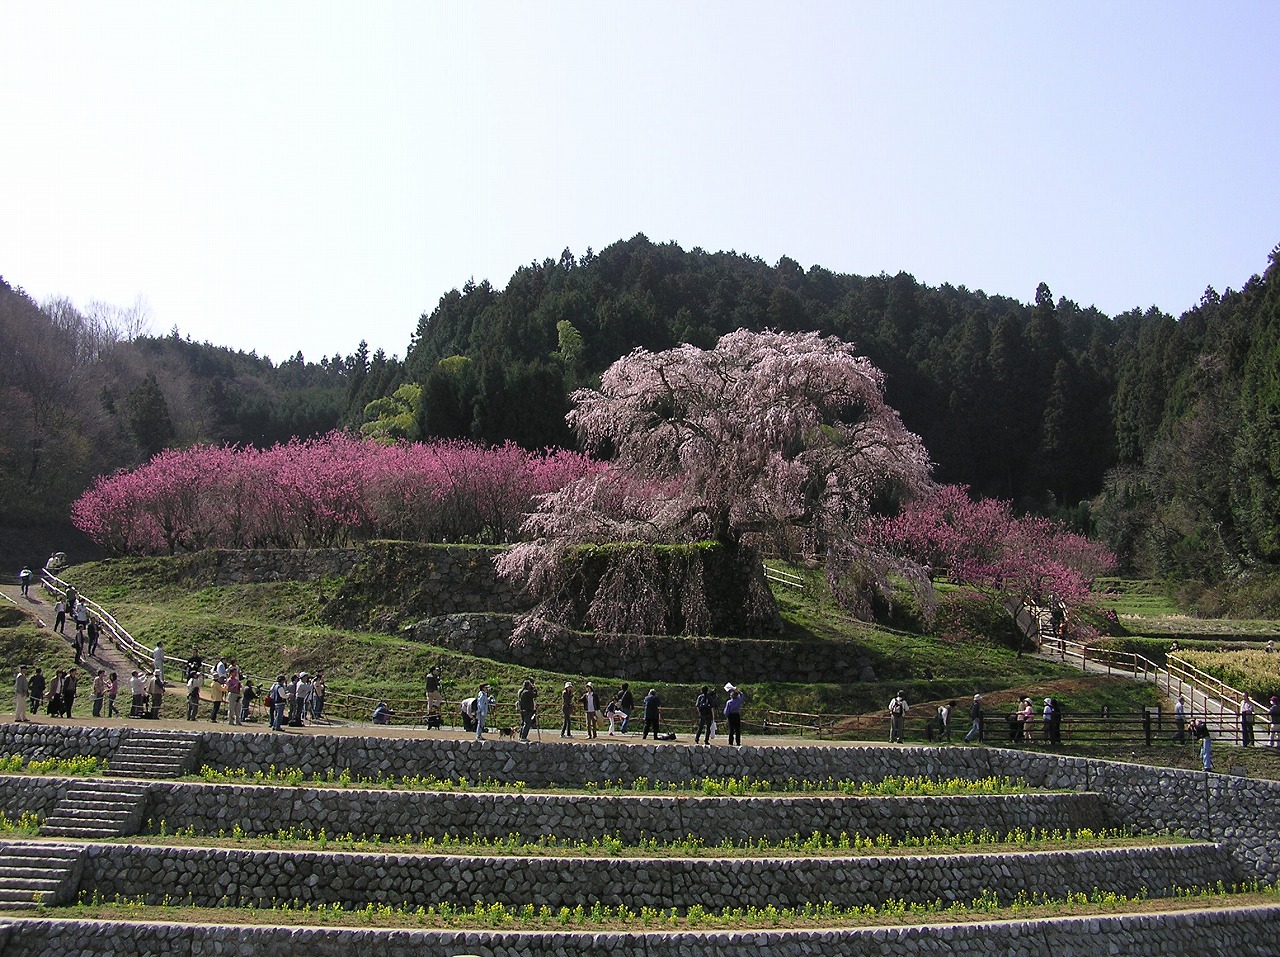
(733, 715)
(21, 693)
(527, 704)
(705, 715)
(24, 581)
(319, 688)
(60, 617)
(484, 701)
(898, 709)
(652, 714)
(625, 704)
(566, 710)
(614, 715)
(589, 710)
(975, 715)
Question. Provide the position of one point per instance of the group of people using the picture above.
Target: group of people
(1021, 719)
(294, 700)
(475, 711)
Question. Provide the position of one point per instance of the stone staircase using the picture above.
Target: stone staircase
(35, 874)
(155, 754)
(90, 810)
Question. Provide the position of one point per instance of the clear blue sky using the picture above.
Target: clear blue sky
(304, 175)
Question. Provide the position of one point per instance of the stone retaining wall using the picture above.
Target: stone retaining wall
(234, 877)
(1208, 807)
(1188, 934)
(661, 657)
(574, 817)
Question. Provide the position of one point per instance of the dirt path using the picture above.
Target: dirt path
(39, 607)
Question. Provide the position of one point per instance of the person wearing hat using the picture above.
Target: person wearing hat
(566, 710)
(1028, 718)
(589, 709)
(975, 715)
(898, 708)
(1048, 720)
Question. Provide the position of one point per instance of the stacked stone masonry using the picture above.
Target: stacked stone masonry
(1190, 934)
(661, 657)
(240, 877)
(1207, 807)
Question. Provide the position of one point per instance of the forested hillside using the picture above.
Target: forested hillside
(1160, 433)
(1167, 430)
(84, 394)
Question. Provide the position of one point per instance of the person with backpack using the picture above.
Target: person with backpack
(706, 717)
(275, 703)
(898, 708)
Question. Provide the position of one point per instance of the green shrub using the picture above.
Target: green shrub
(968, 615)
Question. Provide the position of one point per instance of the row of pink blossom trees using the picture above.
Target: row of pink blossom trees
(326, 491)
(982, 543)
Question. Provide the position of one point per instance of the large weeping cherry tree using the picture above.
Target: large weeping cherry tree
(770, 436)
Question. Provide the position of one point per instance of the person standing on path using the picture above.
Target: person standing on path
(1180, 721)
(36, 684)
(705, 715)
(21, 691)
(99, 692)
(527, 704)
(234, 692)
(157, 661)
(652, 714)
(484, 701)
(589, 710)
(113, 691)
(1273, 719)
(157, 696)
(944, 721)
(566, 710)
(60, 617)
(24, 581)
(733, 714)
(69, 684)
(1246, 721)
(1206, 745)
(898, 708)
(193, 695)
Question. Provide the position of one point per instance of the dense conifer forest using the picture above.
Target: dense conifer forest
(1159, 434)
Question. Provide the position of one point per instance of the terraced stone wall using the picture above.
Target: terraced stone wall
(240, 877)
(661, 657)
(1194, 933)
(571, 817)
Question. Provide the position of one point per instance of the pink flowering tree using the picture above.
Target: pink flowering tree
(326, 491)
(767, 434)
(983, 543)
